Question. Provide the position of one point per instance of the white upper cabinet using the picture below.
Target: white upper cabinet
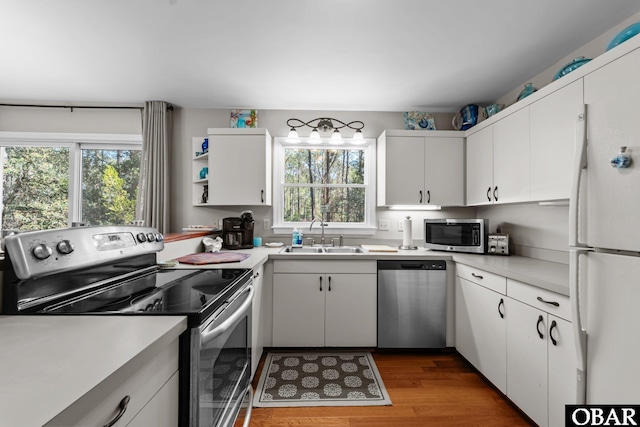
(553, 129)
(480, 167)
(421, 168)
(511, 158)
(239, 167)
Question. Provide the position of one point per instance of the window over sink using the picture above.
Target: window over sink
(334, 183)
(53, 180)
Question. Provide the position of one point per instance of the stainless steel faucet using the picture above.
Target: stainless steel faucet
(322, 225)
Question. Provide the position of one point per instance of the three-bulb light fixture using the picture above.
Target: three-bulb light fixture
(325, 124)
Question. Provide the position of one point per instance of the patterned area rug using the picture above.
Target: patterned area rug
(320, 379)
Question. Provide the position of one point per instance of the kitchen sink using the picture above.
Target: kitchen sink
(303, 250)
(324, 250)
(344, 250)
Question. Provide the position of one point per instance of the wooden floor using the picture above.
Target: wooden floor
(434, 389)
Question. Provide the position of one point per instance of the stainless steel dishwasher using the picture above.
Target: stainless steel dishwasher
(412, 304)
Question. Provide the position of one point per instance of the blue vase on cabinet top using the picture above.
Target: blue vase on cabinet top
(528, 90)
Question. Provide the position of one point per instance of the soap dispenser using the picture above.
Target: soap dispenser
(296, 238)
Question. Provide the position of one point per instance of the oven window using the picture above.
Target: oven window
(224, 373)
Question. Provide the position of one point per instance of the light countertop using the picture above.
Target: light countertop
(49, 362)
(543, 274)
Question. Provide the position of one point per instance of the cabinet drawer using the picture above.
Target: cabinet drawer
(556, 304)
(488, 280)
(325, 266)
(139, 379)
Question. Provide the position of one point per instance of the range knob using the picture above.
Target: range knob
(41, 251)
(150, 237)
(142, 237)
(159, 237)
(65, 247)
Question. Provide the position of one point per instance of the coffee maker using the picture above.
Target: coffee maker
(237, 232)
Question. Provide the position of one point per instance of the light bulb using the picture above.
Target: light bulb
(358, 138)
(336, 138)
(314, 137)
(293, 136)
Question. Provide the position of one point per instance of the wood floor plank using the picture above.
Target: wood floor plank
(430, 389)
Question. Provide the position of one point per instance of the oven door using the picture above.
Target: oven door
(221, 363)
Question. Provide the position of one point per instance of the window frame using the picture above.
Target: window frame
(75, 142)
(366, 228)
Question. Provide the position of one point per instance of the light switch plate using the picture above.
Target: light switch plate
(266, 224)
(400, 225)
(383, 225)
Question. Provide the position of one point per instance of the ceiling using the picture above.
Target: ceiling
(360, 55)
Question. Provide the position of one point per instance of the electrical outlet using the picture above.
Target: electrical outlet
(383, 225)
(266, 224)
(401, 225)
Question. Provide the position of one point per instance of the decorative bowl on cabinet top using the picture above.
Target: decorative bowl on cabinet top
(576, 63)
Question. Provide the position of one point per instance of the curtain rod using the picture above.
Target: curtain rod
(71, 107)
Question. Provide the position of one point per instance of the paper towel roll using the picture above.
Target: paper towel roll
(406, 233)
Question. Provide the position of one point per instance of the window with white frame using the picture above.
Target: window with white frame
(334, 183)
(52, 180)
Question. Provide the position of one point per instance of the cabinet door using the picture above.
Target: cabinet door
(298, 310)
(404, 183)
(553, 130)
(481, 330)
(480, 167)
(527, 383)
(562, 369)
(444, 171)
(239, 169)
(351, 310)
(162, 409)
(511, 158)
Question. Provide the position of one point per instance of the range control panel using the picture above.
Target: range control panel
(39, 253)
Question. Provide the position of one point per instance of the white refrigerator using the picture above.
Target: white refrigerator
(605, 236)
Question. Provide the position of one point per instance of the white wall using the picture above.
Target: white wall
(63, 120)
(194, 122)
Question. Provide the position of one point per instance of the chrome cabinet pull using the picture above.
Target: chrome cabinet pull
(554, 303)
(540, 320)
(477, 276)
(123, 408)
(500, 312)
(320, 283)
(553, 325)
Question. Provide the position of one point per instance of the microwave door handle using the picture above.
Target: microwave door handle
(211, 333)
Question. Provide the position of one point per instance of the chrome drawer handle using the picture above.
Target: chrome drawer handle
(123, 407)
(556, 304)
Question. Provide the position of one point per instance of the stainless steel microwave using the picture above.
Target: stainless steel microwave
(457, 235)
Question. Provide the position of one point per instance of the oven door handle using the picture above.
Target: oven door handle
(211, 333)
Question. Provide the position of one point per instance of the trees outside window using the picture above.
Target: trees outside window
(47, 185)
(332, 183)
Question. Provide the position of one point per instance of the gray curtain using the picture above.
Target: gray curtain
(153, 193)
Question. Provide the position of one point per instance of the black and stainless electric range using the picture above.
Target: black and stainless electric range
(112, 270)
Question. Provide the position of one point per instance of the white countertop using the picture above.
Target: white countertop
(543, 274)
(49, 362)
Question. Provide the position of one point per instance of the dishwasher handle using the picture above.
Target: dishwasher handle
(412, 266)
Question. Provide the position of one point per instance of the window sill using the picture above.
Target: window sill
(329, 230)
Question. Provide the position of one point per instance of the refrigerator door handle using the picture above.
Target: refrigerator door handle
(579, 332)
(579, 163)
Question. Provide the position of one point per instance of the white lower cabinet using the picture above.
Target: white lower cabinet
(324, 303)
(481, 328)
(151, 383)
(540, 354)
(520, 338)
